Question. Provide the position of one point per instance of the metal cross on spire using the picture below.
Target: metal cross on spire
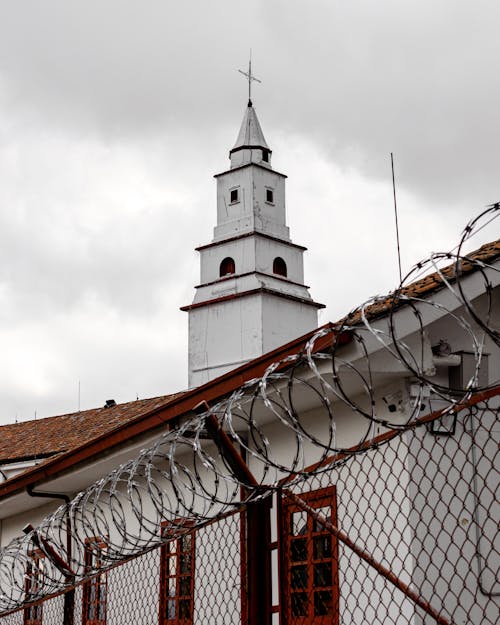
(249, 76)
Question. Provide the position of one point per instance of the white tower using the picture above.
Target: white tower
(251, 297)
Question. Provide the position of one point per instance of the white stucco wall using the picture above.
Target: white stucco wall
(252, 253)
(228, 333)
(251, 211)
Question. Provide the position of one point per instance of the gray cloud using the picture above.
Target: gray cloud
(361, 78)
(115, 115)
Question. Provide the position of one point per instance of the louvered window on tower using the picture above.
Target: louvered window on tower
(270, 196)
(234, 196)
(227, 267)
(279, 267)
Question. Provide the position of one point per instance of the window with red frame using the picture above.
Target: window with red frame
(279, 267)
(95, 590)
(177, 579)
(227, 267)
(34, 572)
(309, 560)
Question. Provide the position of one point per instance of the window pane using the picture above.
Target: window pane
(323, 602)
(323, 574)
(184, 608)
(101, 598)
(185, 542)
(298, 550)
(325, 512)
(101, 609)
(298, 522)
(299, 576)
(185, 587)
(322, 547)
(299, 604)
(185, 563)
(172, 561)
(170, 586)
(171, 605)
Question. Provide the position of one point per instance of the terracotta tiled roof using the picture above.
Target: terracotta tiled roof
(47, 437)
(427, 285)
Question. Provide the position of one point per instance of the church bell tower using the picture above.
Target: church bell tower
(251, 297)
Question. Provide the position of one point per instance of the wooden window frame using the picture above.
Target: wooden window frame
(308, 569)
(174, 575)
(95, 590)
(33, 614)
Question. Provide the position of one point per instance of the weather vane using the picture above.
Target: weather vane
(249, 76)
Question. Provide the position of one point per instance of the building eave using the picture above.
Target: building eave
(250, 147)
(250, 165)
(251, 273)
(6, 462)
(253, 233)
(260, 291)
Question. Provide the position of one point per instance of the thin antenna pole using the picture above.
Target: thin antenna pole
(396, 217)
(36, 440)
(78, 395)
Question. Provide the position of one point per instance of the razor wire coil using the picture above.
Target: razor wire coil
(182, 476)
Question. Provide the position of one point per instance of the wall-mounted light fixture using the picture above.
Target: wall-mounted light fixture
(445, 425)
(443, 348)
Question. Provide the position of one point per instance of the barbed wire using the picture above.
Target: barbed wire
(183, 479)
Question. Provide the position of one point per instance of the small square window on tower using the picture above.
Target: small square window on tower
(265, 156)
(234, 196)
(270, 196)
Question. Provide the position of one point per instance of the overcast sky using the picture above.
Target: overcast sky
(115, 115)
